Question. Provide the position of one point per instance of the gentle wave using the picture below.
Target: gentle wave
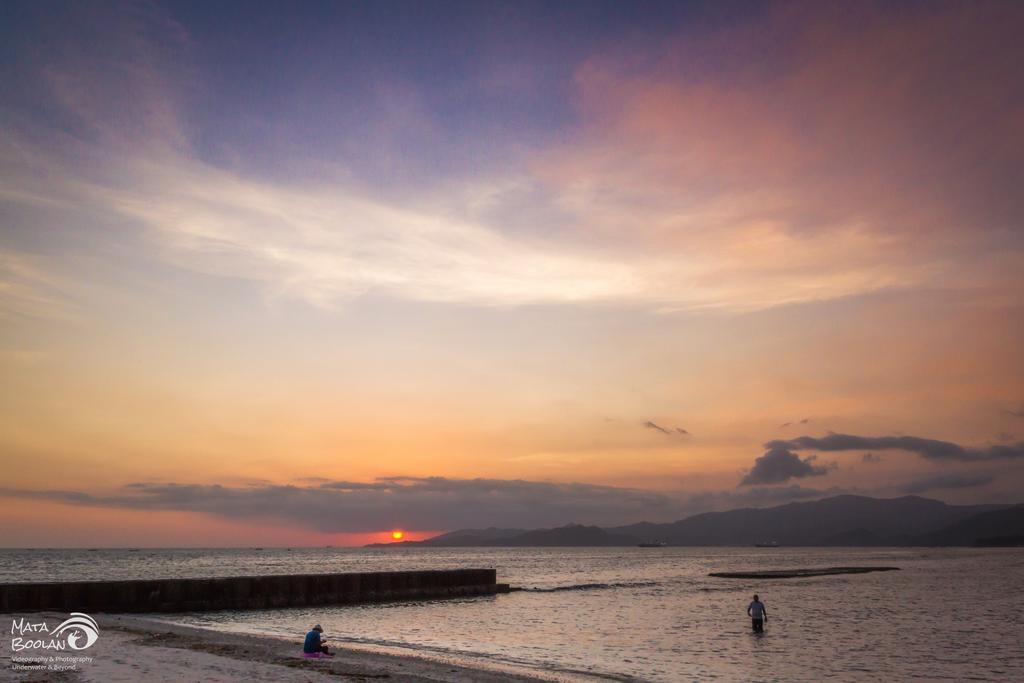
(472, 657)
(592, 586)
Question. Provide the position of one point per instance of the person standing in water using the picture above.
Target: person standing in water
(758, 614)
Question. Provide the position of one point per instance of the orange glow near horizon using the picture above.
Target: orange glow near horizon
(397, 534)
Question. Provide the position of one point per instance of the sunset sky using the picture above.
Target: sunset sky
(303, 273)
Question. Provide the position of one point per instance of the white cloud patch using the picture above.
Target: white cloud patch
(328, 244)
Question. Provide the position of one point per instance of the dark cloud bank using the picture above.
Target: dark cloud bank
(424, 503)
(437, 503)
(780, 462)
(931, 449)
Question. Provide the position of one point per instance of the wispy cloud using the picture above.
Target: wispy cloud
(794, 174)
(28, 290)
(677, 193)
(329, 244)
(656, 427)
(326, 243)
(674, 431)
(947, 481)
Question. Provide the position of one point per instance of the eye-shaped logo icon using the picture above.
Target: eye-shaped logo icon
(82, 631)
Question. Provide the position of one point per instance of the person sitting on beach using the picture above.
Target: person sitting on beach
(314, 644)
(758, 614)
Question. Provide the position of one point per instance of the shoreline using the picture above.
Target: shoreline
(132, 648)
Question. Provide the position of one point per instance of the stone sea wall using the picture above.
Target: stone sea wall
(246, 592)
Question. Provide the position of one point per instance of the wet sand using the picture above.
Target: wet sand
(132, 649)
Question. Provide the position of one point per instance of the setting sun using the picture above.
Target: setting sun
(397, 535)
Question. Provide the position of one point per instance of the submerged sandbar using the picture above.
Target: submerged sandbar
(800, 573)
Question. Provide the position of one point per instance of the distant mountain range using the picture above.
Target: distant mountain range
(836, 521)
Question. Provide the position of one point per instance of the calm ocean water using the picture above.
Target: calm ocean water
(647, 614)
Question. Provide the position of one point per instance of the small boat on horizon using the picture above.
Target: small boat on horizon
(767, 544)
(655, 544)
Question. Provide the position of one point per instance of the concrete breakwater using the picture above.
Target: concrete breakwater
(247, 592)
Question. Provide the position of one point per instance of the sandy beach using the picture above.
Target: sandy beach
(134, 648)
